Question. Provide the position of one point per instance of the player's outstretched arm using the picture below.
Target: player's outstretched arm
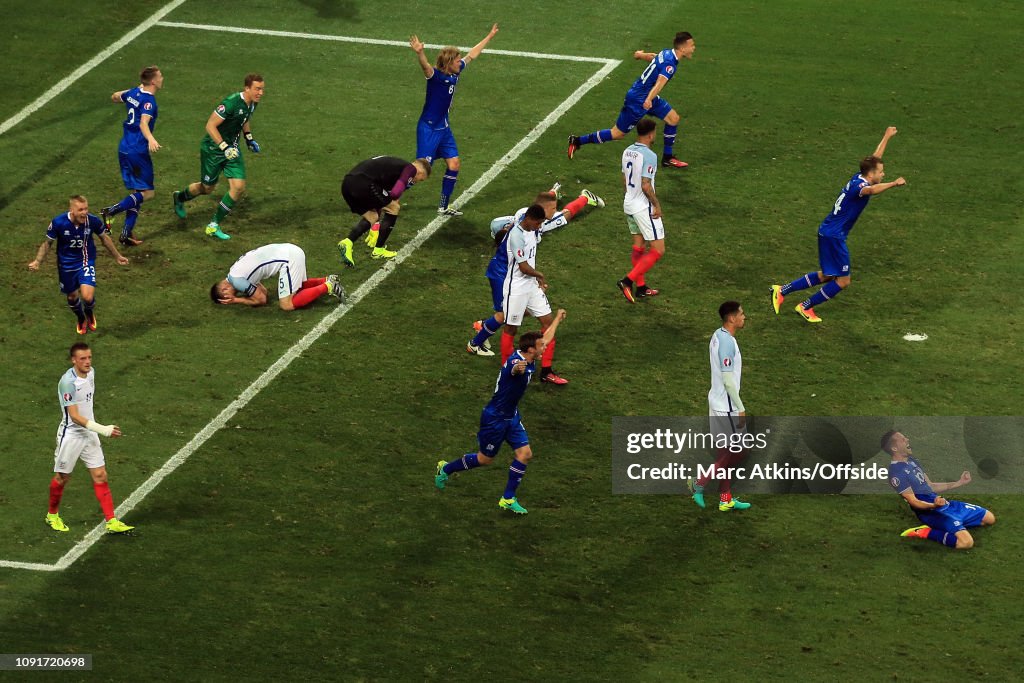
(417, 45)
(116, 97)
(479, 47)
(549, 334)
(41, 253)
(889, 132)
(941, 486)
(879, 188)
(112, 248)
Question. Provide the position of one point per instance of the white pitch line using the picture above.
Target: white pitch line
(271, 373)
(88, 66)
(374, 41)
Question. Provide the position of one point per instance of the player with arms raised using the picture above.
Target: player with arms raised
(434, 139)
(500, 420)
(219, 153)
(644, 99)
(137, 143)
(833, 254)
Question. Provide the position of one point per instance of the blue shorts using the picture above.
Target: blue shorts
(633, 111)
(136, 170)
(435, 144)
(71, 280)
(833, 256)
(954, 517)
(493, 431)
(497, 294)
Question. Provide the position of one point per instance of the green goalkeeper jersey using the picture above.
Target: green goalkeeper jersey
(235, 113)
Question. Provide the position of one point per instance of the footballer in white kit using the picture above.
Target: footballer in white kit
(725, 409)
(639, 162)
(523, 293)
(75, 442)
(288, 262)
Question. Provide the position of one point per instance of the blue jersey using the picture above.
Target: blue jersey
(137, 103)
(909, 475)
(440, 92)
(664, 64)
(846, 210)
(509, 388)
(75, 248)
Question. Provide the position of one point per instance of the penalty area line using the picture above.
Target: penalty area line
(374, 41)
(325, 324)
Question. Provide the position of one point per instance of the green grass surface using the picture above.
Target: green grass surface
(306, 540)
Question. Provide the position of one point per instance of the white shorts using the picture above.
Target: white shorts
(75, 445)
(725, 422)
(641, 223)
(293, 273)
(516, 304)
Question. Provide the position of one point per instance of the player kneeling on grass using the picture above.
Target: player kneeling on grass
(78, 437)
(243, 282)
(500, 420)
(944, 521)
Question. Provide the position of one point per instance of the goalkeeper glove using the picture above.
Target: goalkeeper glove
(252, 144)
(229, 151)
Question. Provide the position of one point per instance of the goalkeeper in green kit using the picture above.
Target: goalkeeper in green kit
(219, 153)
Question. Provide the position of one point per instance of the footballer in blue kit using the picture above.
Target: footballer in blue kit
(643, 99)
(943, 521)
(137, 143)
(500, 420)
(833, 254)
(434, 139)
(76, 258)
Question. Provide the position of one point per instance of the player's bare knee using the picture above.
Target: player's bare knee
(843, 282)
(147, 195)
(206, 189)
(286, 304)
(500, 317)
(672, 118)
(99, 475)
(454, 164)
(484, 459)
(989, 519)
(964, 541)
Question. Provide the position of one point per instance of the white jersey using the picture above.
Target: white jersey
(725, 357)
(559, 220)
(73, 390)
(638, 162)
(520, 247)
(265, 262)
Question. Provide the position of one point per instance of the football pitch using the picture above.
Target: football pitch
(278, 466)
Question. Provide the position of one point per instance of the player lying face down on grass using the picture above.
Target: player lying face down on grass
(372, 190)
(243, 284)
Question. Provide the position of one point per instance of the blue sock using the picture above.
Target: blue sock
(489, 328)
(466, 462)
(827, 292)
(447, 187)
(129, 222)
(670, 138)
(76, 308)
(804, 282)
(515, 475)
(132, 201)
(944, 537)
(597, 137)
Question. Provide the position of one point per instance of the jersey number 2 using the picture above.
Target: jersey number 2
(629, 179)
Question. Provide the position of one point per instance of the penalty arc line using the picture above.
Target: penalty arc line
(43, 99)
(328, 321)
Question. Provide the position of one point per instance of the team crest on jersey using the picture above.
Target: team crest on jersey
(894, 481)
(221, 109)
(727, 362)
(67, 396)
(147, 105)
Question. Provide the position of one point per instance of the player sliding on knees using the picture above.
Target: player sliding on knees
(497, 268)
(243, 282)
(643, 100)
(500, 420)
(833, 254)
